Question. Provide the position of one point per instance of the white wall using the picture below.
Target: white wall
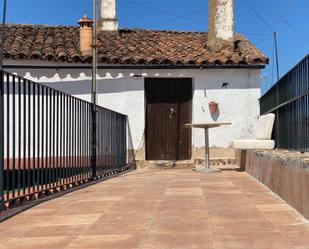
(119, 91)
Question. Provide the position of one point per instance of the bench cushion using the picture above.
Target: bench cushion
(253, 144)
(265, 126)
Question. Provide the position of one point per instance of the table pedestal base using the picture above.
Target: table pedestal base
(206, 170)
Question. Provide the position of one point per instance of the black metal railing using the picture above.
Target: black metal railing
(46, 140)
(289, 100)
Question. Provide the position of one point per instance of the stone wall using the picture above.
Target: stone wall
(286, 173)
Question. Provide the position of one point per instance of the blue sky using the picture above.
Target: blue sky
(256, 19)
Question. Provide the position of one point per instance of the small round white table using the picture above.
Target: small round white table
(206, 126)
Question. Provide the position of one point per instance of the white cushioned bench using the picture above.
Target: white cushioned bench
(261, 142)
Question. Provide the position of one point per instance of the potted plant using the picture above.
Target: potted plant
(213, 107)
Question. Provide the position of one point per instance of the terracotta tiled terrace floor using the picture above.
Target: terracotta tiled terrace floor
(175, 209)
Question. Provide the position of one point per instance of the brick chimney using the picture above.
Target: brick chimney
(85, 34)
(220, 24)
(108, 20)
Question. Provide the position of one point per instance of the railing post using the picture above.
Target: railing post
(94, 141)
(94, 95)
(2, 207)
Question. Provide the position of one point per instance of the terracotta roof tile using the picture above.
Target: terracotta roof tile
(126, 46)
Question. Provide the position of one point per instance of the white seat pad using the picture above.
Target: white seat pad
(253, 144)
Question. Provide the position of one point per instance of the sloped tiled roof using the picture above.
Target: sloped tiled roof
(134, 46)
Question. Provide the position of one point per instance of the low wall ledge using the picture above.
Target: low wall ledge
(285, 157)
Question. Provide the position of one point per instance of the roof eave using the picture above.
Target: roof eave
(134, 66)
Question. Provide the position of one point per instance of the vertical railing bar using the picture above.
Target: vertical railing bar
(64, 161)
(13, 137)
(29, 138)
(109, 134)
(76, 139)
(90, 144)
(106, 144)
(110, 163)
(38, 171)
(57, 139)
(52, 137)
(112, 140)
(61, 111)
(98, 132)
(119, 140)
(82, 139)
(42, 139)
(84, 142)
(50, 140)
(56, 135)
(88, 141)
(34, 179)
(73, 140)
(109, 142)
(50, 130)
(101, 140)
(79, 140)
(46, 170)
(19, 137)
(105, 140)
(65, 135)
(67, 140)
(24, 135)
(70, 139)
(38, 147)
(2, 185)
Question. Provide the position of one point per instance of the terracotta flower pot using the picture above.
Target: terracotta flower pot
(213, 107)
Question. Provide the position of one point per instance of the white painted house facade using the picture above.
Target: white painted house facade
(218, 66)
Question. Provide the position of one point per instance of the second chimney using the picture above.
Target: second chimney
(220, 24)
(85, 33)
(108, 20)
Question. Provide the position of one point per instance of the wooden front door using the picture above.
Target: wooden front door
(168, 108)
